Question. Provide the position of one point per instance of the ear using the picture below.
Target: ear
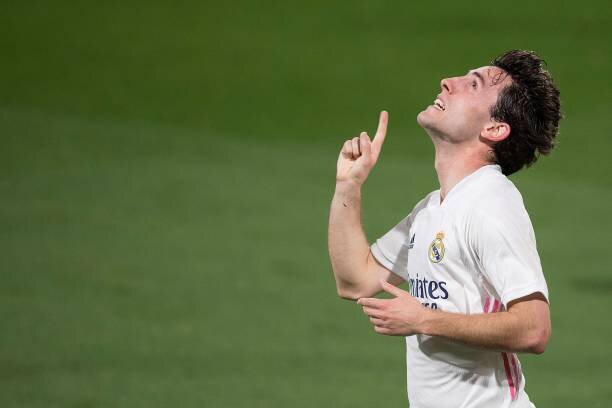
(495, 131)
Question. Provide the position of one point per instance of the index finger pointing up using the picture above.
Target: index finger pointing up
(381, 132)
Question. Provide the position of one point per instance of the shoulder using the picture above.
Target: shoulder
(421, 205)
(428, 200)
(495, 206)
(494, 195)
(406, 223)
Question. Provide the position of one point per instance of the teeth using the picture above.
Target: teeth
(439, 104)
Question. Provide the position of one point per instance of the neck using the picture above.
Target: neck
(454, 162)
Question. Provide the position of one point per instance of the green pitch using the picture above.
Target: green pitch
(165, 178)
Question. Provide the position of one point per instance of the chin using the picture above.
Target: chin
(424, 120)
(430, 125)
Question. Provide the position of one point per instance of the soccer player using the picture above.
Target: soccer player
(477, 294)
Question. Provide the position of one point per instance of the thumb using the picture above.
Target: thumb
(392, 289)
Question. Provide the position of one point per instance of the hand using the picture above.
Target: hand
(359, 154)
(400, 316)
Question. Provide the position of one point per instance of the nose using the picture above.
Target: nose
(445, 84)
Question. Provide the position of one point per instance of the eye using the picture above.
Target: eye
(474, 84)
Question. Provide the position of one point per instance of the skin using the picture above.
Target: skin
(464, 132)
(462, 135)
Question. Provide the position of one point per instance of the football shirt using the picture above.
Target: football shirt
(473, 253)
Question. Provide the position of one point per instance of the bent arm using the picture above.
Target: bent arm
(356, 271)
(524, 327)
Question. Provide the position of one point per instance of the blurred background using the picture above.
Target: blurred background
(165, 175)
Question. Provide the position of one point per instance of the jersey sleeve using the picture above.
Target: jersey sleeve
(391, 250)
(506, 248)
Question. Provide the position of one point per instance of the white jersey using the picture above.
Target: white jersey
(473, 253)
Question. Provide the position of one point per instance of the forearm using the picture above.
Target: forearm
(502, 331)
(524, 327)
(348, 246)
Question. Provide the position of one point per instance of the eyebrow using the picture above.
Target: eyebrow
(479, 75)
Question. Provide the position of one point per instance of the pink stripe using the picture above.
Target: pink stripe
(515, 369)
(485, 308)
(509, 376)
(497, 306)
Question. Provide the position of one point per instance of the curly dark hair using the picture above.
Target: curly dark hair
(530, 105)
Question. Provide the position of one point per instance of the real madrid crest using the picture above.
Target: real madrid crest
(436, 248)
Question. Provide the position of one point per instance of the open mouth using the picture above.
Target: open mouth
(439, 104)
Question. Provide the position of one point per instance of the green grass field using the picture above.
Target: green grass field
(166, 171)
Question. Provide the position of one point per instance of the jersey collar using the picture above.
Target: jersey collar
(463, 183)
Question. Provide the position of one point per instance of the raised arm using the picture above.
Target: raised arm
(356, 271)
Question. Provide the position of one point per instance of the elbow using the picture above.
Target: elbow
(351, 291)
(348, 294)
(538, 340)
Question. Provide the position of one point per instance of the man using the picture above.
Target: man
(477, 294)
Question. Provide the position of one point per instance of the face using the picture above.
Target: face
(462, 109)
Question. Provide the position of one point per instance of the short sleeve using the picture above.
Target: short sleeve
(505, 246)
(391, 250)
